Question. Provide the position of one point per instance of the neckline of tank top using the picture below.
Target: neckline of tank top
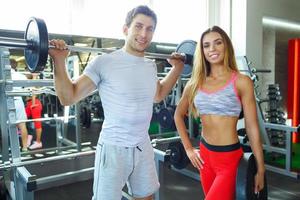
(221, 88)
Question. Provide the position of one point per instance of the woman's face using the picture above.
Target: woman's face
(213, 48)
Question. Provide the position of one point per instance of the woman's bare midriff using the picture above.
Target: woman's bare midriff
(219, 130)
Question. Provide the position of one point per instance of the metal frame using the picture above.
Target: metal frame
(287, 150)
(19, 182)
(22, 178)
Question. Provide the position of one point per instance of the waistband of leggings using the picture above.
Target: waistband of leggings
(221, 148)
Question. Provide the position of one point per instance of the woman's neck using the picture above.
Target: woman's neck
(219, 71)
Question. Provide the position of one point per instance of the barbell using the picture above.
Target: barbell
(36, 46)
(245, 173)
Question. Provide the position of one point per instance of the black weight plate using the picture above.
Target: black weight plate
(85, 116)
(245, 180)
(178, 157)
(166, 117)
(36, 54)
(241, 116)
(242, 132)
(188, 48)
(88, 118)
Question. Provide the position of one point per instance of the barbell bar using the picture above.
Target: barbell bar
(36, 46)
(254, 70)
(22, 43)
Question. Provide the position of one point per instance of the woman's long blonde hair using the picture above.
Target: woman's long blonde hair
(201, 67)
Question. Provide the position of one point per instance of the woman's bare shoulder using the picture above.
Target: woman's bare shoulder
(243, 82)
(243, 79)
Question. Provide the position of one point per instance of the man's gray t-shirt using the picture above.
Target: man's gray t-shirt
(127, 86)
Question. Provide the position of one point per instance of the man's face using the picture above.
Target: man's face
(139, 34)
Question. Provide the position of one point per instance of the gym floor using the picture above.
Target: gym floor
(174, 185)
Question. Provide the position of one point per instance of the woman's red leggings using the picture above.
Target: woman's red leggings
(34, 111)
(218, 176)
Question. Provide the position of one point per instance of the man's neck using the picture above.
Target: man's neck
(133, 52)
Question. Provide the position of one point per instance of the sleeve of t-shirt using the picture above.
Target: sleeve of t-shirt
(93, 70)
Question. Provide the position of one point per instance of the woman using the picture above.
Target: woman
(218, 92)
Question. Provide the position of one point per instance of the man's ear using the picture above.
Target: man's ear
(125, 30)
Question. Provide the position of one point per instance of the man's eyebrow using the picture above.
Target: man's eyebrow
(140, 23)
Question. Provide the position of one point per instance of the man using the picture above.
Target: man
(19, 105)
(128, 86)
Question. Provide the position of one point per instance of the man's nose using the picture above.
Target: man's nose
(143, 32)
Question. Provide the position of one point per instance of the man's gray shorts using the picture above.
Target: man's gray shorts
(116, 165)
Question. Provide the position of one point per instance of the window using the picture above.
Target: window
(177, 20)
(180, 20)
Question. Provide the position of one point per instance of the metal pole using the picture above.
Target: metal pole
(42, 119)
(88, 49)
(12, 39)
(165, 140)
(44, 160)
(109, 50)
(105, 50)
(17, 43)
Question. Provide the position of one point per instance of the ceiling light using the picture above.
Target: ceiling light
(281, 23)
(80, 44)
